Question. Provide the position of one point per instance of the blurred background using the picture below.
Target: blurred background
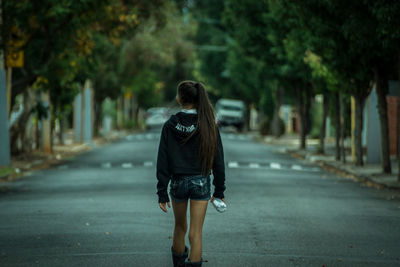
(306, 95)
(73, 71)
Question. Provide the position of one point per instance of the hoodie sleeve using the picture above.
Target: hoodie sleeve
(219, 169)
(163, 170)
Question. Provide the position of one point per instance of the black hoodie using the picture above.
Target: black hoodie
(177, 157)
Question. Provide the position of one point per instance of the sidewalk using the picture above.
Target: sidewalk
(369, 173)
(24, 164)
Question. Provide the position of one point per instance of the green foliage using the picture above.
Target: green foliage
(157, 56)
(211, 41)
(316, 118)
(130, 124)
(245, 49)
(146, 88)
(109, 108)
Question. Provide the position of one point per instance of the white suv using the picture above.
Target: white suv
(230, 112)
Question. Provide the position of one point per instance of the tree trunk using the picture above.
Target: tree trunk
(360, 103)
(119, 113)
(135, 110)
(398, 122)
(343, 126)
(52, 129)
(61, 120)
(22, 134)
(276, 122)
(398, 141)
(37, 134)
(307, 108)
(17, 131)
(97, 117)
(337, 125)
(382, 88)
(325, 109)
(301, 109)
(246, 125)
(137, 116)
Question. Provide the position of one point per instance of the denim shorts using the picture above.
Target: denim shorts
(196, 187)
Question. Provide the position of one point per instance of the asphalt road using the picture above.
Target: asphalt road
(100, 209)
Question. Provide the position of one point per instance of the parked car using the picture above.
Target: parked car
(230, 112)
(156, 117)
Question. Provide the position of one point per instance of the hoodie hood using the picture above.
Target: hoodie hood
(182, 124)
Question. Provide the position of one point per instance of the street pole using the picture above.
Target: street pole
(4, 132)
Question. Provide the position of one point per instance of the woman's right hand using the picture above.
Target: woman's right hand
(163, 206)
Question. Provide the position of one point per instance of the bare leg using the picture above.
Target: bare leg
(198, 210)
(180, 229)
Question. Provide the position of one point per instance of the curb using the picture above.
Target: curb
(54, 161)
(348, 174)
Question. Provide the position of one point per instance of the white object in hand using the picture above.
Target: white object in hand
(219, 205)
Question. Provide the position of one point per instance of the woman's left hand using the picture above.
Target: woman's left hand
(212, 199)
(163, 206)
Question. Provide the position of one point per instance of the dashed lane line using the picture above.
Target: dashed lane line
(148, 163)
(106, 165)
(297, 167)
(233, 164)
(274, 165)
(254, 165)
(127, 165)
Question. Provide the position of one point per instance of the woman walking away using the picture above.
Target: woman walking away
(190, 148)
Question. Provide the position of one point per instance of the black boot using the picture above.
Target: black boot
(189, 263)
(179, 259)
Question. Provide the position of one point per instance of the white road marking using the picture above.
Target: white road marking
(63, 167)
(272, 165)
(149, 136)
(106, 165)
(297, 167)
(126, 165)
(148, 163)
(254, 165)
(233, 164)
(275, 165)
(231, 136)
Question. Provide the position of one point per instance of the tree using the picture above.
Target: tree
(53, 31)
(71, 41)
(253, 67)
(211, 41)
(366, 32)
(328, 26)
(156, 59)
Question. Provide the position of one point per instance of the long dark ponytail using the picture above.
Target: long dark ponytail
(194, 93)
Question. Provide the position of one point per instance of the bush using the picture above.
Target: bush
(130, 124)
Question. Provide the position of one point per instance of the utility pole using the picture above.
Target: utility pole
(4, 131)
